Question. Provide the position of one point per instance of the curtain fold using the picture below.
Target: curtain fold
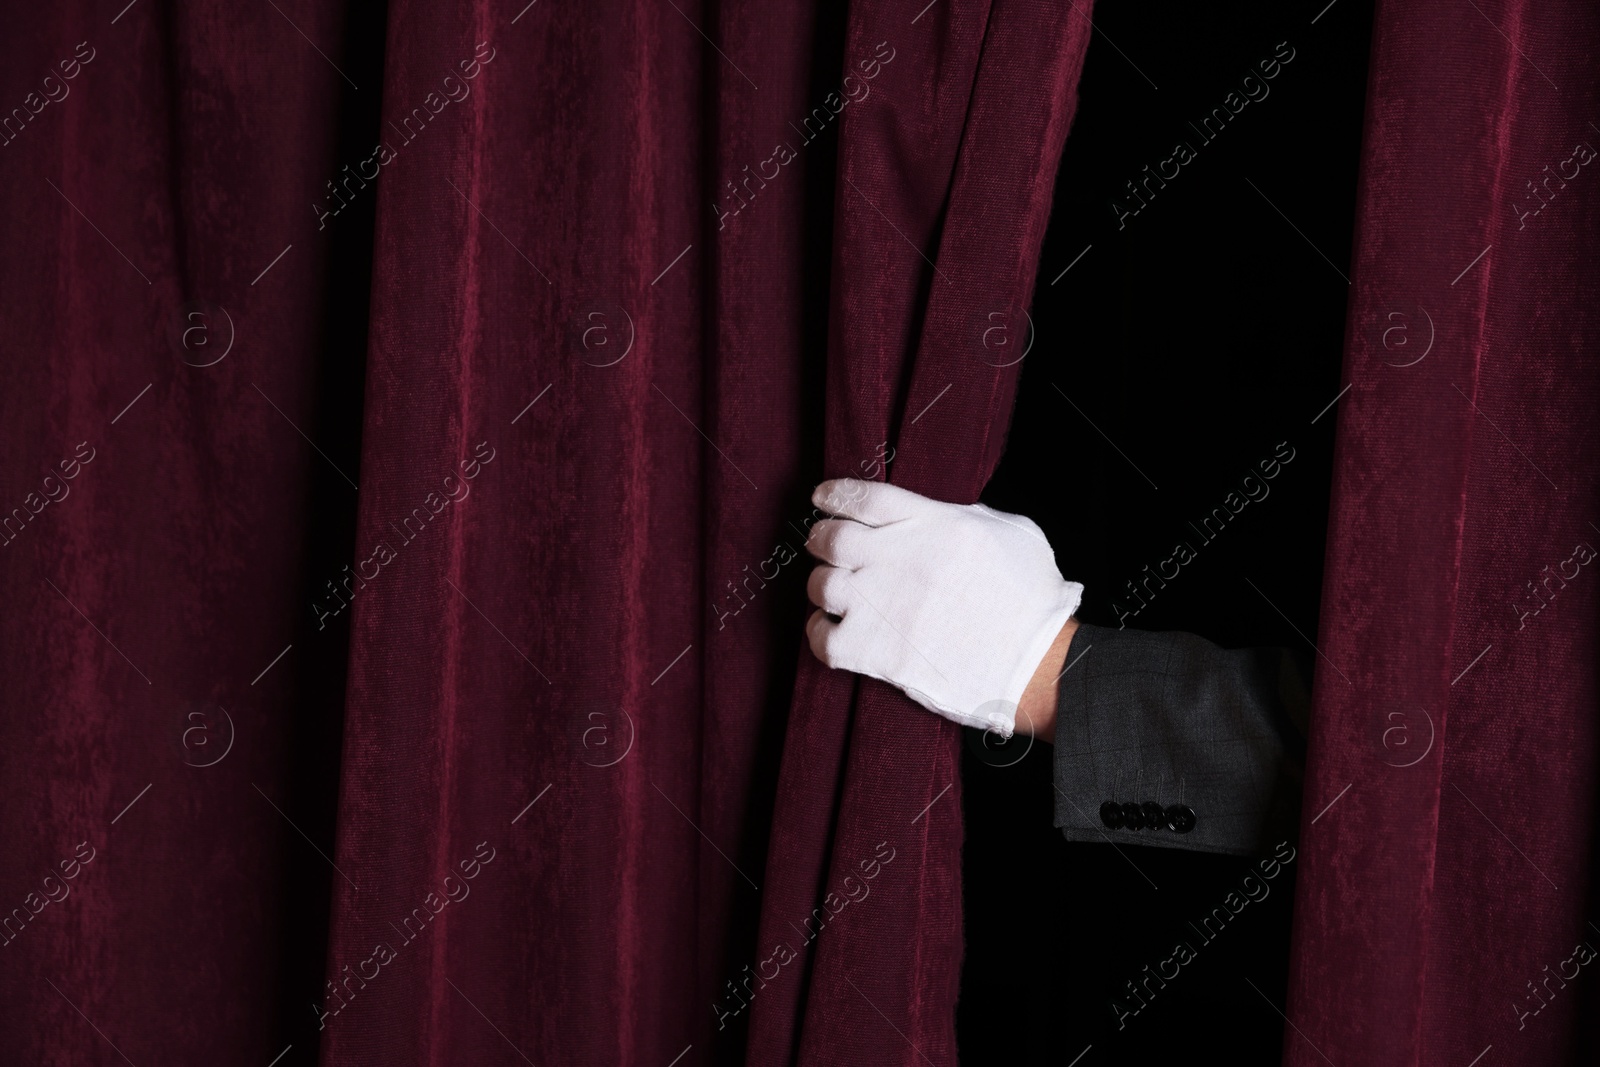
(943, 197)
(569, 671)
(1449, 811)
(176, 332)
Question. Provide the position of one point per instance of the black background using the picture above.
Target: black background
(1179, 351)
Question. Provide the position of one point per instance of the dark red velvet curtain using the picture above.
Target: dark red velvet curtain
(864, 875)
(583, 435)
(1444, 900)
(426, 706)
(167, 698)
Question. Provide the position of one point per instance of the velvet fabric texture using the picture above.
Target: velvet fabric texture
(1448, 833)
(477, 762)
(923, 357)
(409, 418)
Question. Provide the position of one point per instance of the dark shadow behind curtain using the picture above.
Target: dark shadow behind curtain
(1465, 471)
(1174, 352)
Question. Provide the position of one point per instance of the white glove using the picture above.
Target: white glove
(954, 605)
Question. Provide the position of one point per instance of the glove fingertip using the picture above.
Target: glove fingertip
(835, 495)
(818, 629)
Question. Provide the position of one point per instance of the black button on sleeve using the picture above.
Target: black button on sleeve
(1132, 816)
(1155, 817)
(1180, 818)
(1111, 814)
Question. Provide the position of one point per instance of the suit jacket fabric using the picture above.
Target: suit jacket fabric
(1171, 719)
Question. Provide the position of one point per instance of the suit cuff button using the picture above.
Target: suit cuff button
(1155, 818)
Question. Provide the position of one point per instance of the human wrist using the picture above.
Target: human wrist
(1036, 711)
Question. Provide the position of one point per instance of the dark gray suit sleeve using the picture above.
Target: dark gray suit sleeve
(1166, 739)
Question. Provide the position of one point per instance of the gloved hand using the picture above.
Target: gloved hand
(954, 605)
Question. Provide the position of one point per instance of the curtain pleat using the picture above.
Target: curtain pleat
(559, 673)
(175, 331)
(943, 196)
(1449, 810)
